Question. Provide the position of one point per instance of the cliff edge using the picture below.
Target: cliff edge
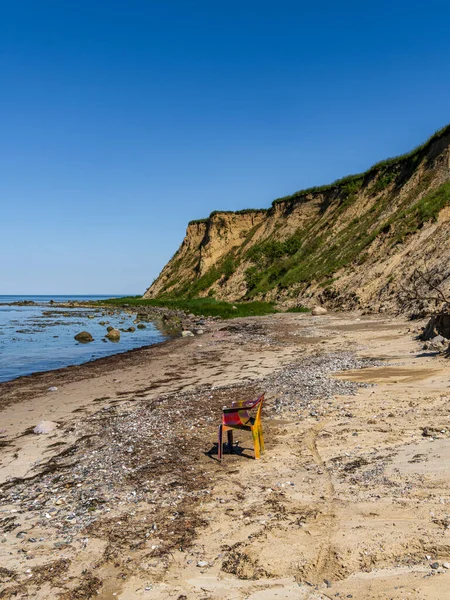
(349, 244)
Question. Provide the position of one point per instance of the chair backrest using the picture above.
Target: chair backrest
(259, 403)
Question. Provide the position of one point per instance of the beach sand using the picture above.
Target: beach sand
(125, 498)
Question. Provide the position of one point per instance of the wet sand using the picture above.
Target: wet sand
(126, 499)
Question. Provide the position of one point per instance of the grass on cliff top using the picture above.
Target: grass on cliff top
(355, 180)
(207, 307)
(377, 167)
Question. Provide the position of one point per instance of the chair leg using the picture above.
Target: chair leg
(255, 434)
(261, 439)
(219, 445)
(230, 441)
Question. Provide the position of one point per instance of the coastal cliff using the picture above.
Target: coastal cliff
(347, 244)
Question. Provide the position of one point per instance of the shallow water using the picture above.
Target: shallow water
(41, 338)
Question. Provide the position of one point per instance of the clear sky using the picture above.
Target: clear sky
(122, 121)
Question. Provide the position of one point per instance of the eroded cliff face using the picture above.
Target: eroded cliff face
(352, 243)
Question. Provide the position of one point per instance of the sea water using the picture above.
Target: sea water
(40, 337)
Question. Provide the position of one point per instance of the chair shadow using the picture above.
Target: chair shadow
(237, 451)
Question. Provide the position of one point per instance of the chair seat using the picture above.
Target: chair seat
(235, 418)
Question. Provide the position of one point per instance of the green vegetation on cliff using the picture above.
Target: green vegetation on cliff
(207, 307)
(308, 241)
(413, 156)
(306, 257)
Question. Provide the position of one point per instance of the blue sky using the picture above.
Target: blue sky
(122, 121)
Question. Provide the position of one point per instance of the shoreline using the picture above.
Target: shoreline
(167, 324)
(85, 370)
(138, 504)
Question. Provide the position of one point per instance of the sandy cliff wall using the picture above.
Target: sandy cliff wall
(351, 243)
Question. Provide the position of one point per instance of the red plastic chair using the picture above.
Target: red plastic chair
(238, 417)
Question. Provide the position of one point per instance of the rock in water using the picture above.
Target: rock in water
(141, 326)
(45, 427)
(319, 310)
(113, 334)
(84, 337)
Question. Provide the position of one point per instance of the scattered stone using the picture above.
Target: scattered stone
(202, 563)
(431, 432)
(45, 427)
(199, 331)
(319, 310)
(446, 565)
(187, 333)
(434, 565)
(52, 389)
(109, 328)
(84, 337)
(299, 386)
(141, 326)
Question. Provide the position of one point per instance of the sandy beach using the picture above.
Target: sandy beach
(125, 498)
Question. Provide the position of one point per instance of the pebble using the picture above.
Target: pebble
(53, 388)
(300, 385)
(446, 565)
(434, 565)
(45, 427)
(202, 563)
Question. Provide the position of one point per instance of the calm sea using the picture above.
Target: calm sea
(41, 337)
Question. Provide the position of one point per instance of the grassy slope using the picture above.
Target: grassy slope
(313, 256)
(207, 307)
